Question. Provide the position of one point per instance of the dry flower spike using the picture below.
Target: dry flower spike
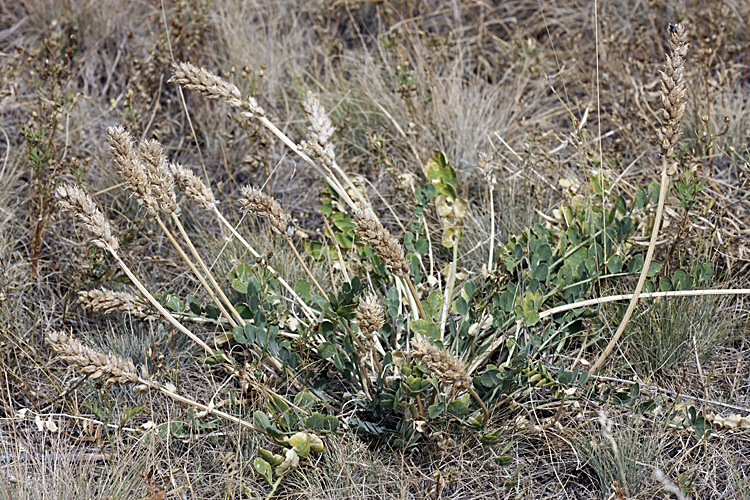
(370, 230)
(77, 202)
(194, 188)
(673, 91)
(110, 301)
(257, 203)
(106, 367)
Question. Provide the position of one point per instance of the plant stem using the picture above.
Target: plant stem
(644, 272)
(413, 291)
(481, 403)
(202, 407)
(309, 312)
(155, 303)
(195, 271)
(304, 266)
(210, 276)
(448, 291)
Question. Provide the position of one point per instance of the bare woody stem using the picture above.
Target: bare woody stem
(327, 176)
(208, 273)
(652, 295)
(195, 271)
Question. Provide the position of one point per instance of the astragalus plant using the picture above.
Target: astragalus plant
(389, 351)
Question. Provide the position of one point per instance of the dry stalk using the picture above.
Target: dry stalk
(213, 87)
(209, 274)
(196, 190)
(147, 175)
(74, 200)
(162, 183)
(674, 99)
(113, 369)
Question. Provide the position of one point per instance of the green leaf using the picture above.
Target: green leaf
(326, 350)
(130, 412)
(313, 248)
(248, 334)
(426, 328)
(541, 272)
(460, 306)
(653, 191)
(261, 420)
(504, 460)
(458, 408)
(544, 252)
(441, 174)
(344, 240)
(239, 285)
(212, 311)
(682, 280)
(422, 246)
(331, 423)
(636, 264)
(653, 268)
(269, 457)
(489, 439)
(665, 284)
(261, 337)
(531, 318)
(315, 421)
(301, 443)
(640, 198)
(435, 410)
(264, 469)
(620, 205)
(614, 264)
(302, 288)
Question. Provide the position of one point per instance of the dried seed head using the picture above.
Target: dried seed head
(130, 167)
(213, 87)
(369, 317)
(109, 368)
(320, 129)
(156, 166)
(261, 205)
(673, 91)
(192, 186)
(323, 152)
(444, 365)
(76, 201)
(110, 301)
(369, 228)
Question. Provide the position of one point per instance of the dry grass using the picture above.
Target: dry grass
(398, 79)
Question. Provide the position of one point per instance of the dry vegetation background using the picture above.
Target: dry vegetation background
(518, 79)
